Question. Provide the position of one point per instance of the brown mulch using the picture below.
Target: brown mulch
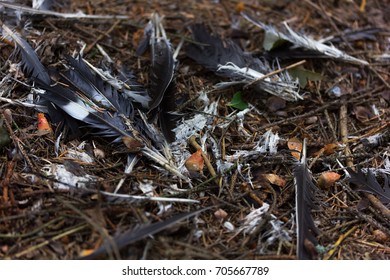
(40, 221)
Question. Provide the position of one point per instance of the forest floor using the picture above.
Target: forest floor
(344, 117)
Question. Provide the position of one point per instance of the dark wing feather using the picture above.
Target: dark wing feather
(82, 79)
(304, 194)
(210, 51)
(368, 183)
(132, 236)
(31, 65)
(145, 41)
(162, 71)
(107, 125)
(162, 87)
(134, 90)
(167, 117)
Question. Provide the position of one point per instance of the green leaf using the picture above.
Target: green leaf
(304, 75)
(272, 41)
(237, 102)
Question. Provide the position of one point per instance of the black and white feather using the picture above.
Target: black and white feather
(304, 199)
(227, 59)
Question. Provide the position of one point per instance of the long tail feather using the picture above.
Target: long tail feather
(304, 188)
(162, 62)
(162, 72)
(132, 236)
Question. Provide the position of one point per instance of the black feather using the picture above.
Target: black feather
(134, 90)
(162, 87)
(368, 183)
(143, 45)
(107, 124)
(162, 71)
(143, 232)
(30, 64)
(210, 51)
(304, 194)
(168, 118)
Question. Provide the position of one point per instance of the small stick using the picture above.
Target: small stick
(275, 72)
(338, 242)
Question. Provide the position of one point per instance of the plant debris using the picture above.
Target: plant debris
(164, 130)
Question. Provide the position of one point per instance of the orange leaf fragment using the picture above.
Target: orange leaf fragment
(327, 179)
(330, 148)
(275, 180)
(43, 124)
(295, 145)
(327, 150)
(137, 37)
(240, 6)
(195, 162)
(86, 252)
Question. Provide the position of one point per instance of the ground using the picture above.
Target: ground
(38, 220)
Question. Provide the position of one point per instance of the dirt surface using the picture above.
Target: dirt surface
(38, 220)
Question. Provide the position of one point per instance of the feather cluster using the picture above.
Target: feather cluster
(79, 96)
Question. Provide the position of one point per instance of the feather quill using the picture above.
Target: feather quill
(304, 195)
(47, 13)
